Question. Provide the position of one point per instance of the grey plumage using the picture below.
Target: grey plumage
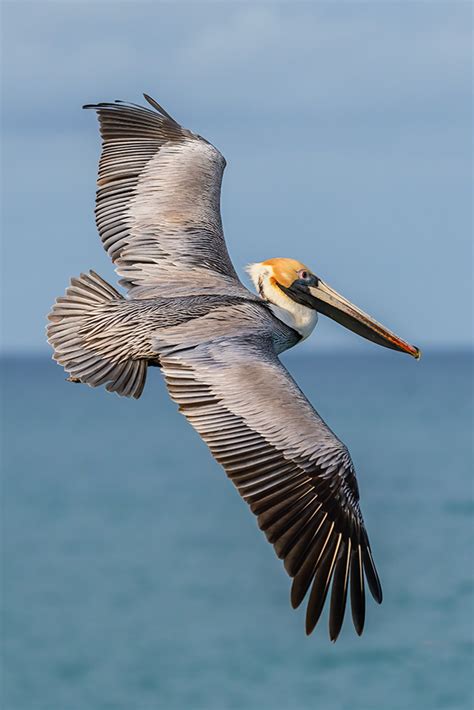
(296, 476)
(92, 339)
(158, 216)
(158, 204)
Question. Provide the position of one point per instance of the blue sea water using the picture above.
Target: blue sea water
(135, 578)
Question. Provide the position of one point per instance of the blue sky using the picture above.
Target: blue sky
(346, 127)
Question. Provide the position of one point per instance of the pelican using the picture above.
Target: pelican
(217, 344)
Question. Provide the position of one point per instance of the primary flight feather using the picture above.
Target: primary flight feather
(217, 344)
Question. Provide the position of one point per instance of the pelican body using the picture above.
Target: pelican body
(217, 344)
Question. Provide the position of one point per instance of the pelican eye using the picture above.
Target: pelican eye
(303, 274)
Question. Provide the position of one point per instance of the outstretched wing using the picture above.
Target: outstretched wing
(158, 204)
(294, 473)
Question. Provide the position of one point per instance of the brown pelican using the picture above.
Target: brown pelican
(217, 344)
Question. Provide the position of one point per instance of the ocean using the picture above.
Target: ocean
(135, 578)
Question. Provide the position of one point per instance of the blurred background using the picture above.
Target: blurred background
(133, 576)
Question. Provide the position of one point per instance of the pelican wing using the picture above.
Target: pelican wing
(294, 473)
(158, 204)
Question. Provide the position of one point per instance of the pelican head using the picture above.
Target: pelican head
(296, 295)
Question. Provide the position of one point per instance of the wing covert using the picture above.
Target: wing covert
(293, 472)
(158, 204)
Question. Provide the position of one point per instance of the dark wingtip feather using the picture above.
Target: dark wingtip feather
(159, 108)
(304, 576)
(357, 591)
(339, 592)
(101, 104)
(371, 573)
(296, 595)
(320, 587)
(107, 104)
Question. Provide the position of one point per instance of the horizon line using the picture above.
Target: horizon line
(435, 348)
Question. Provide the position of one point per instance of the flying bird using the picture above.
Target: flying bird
(217, 344)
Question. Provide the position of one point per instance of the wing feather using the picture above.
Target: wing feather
(357, 590)
(321, 582)
(339, 591)
(295, 475)
(158, 204)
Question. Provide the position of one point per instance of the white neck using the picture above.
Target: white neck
(299, 317)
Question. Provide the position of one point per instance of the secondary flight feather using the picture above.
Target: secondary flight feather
(217, 344)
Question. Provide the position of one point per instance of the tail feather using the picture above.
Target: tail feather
(90, 340)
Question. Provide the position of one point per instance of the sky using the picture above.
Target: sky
(347, 129)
